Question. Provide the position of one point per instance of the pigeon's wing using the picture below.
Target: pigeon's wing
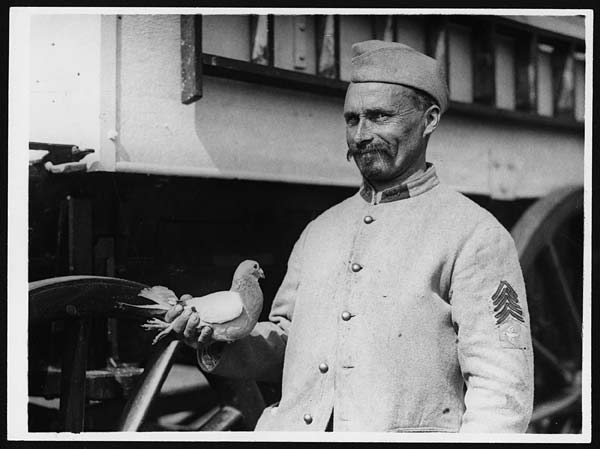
(218, 307)
(160, 295)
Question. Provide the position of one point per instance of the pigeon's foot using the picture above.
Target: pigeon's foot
(162, 335)
(155, 324)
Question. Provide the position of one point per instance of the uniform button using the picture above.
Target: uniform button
(368, 219)
(323, 368)
(346, 316)
(356, 267)
(308, 418)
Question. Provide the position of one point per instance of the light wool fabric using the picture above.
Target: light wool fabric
(396, 63)
(386, 319)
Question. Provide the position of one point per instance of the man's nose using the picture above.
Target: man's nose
(363, 134)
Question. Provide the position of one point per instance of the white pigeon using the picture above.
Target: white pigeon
(231, 314)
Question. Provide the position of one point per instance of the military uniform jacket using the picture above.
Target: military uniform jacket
(400, 311)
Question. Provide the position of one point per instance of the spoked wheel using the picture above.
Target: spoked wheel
(549, 240)
(91, 367)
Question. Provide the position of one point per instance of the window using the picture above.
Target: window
(237, 28)
(545, 92)
(460, 64)
(411, 30)
(563, 80)
(494, 66)
(327, 47)
(384, 28)
(260, 48)
(526, 72)
(505, 72)
(298, 53)
(484, 48)
(352, 29)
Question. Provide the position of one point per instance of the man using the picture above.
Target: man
(403, 307)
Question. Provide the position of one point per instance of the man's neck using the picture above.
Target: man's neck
(380, 186)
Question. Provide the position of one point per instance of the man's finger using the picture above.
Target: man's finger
(173, 313)
(186, 297)
(191, 326)
(205, 335)
(181, 321)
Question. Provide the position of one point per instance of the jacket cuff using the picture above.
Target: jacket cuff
(210, 356)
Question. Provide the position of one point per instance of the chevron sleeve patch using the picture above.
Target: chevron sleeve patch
(506, 304)
(508, 316)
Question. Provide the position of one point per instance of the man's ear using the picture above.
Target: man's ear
(432, 119)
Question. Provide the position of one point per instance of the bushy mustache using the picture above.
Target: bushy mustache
(354, 151)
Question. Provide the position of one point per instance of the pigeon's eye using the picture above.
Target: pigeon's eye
(256, 266)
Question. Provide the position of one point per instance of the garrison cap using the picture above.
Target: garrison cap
(396, 63)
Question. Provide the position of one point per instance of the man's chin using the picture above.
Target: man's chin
(371, 171)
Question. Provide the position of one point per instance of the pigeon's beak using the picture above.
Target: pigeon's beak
(261, 273)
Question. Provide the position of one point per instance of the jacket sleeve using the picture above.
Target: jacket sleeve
(260, 355)
(489, 310)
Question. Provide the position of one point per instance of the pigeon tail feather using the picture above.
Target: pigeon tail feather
(159, 294)
(152, 309)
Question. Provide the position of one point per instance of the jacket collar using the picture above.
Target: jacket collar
(409, 189)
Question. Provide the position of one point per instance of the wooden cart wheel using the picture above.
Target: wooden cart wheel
(72, 334)
(549, 240)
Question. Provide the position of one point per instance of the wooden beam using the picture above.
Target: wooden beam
(191, 58)
(80, 247)
(72, 399)
(147, 389)
(100, 384)
(227, 418)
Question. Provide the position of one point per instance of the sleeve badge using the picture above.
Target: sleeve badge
(506, 304)
(508, 316)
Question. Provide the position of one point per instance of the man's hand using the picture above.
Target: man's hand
(185, 325)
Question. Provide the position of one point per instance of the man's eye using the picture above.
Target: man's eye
(351, 121)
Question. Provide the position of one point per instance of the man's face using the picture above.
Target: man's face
(384, 131)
